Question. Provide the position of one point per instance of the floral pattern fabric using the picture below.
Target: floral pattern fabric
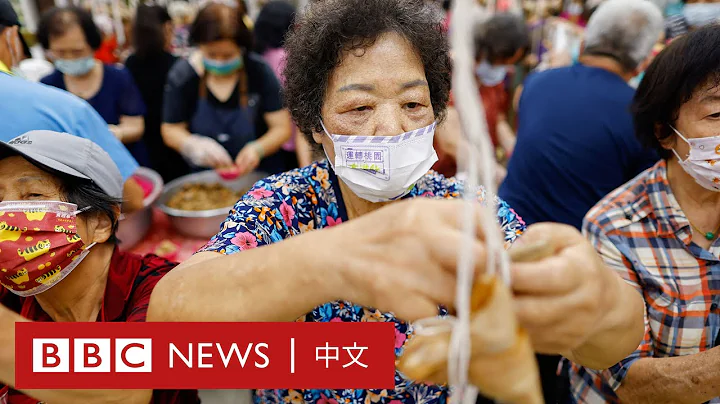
(292, 203)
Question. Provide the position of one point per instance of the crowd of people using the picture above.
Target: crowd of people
(602, 114)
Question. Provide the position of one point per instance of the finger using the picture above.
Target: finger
(220, 156)
(548, 313)
(412, 308)
(243, 158)
(559, 236)
(434, 283)
(551, 276)
(445, 247)
(221, 160)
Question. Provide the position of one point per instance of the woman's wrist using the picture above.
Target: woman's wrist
(259, 149)
(619, 331)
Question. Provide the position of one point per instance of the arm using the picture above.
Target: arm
(506, 135)
(276, 117)
(132, 110)
(235, 287)
(279, 131)
(516, 97)
(133, 196)
(388, 259)
(130, 129)
(619, 330)
(90, 125)
(178, 105)
(622, 328)
(174, 135)
(8, 319)
(685, 379)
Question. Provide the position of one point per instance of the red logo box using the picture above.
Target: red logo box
(205, 355)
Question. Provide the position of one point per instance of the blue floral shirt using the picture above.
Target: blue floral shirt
(307, 199)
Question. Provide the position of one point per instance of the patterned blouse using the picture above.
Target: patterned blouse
(309, 198)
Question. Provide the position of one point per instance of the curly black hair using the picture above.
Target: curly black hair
(689, 64)
(329, 28)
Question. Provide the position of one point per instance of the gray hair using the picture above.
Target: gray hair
(625, 30)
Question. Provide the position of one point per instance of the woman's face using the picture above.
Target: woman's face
(71, 45)
(221, 51)
(22, 181)
(697, 118)
(378, 91)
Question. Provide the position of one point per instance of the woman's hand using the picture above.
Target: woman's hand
(403, 258)
(573, 304)
(203, 151)
(249, 158)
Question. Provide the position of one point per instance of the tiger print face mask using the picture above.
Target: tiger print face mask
(39, 245)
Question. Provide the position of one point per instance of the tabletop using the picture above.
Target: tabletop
(163, 240)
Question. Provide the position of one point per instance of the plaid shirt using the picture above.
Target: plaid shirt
(640, 231)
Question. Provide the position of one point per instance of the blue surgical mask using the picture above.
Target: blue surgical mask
(223, 68)
(699, 14)
(75, 67)
(490, 75)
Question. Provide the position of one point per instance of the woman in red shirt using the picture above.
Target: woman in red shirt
(502, 42)
(60, 259)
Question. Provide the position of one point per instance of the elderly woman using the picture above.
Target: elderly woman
(222, 106)
(660, 232)
(367, 80)
(60, 200)
(71, 37)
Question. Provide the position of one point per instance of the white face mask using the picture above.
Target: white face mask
(383, 168)
(703, 163)
(490, 75)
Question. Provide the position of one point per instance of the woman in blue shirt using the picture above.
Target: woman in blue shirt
(71, 37)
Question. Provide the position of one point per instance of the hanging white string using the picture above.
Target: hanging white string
(117, 17)
(480, 160)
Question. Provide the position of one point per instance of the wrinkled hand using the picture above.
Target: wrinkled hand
(248, 159)
(203, 151)
(403, 258)
(560, 300)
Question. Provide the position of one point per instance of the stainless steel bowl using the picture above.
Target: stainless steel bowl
(134, 227)
(202, 223)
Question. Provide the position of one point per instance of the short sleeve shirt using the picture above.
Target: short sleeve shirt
(118, 95)
(182, 92)
(575, 144)
(131, 280)
(32, 106)
(307, 199)
(642, 233)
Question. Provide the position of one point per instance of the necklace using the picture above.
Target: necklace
(710, 236)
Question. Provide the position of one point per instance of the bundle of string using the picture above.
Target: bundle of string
(479, 161)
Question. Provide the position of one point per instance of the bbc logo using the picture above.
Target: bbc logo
(92, 355)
